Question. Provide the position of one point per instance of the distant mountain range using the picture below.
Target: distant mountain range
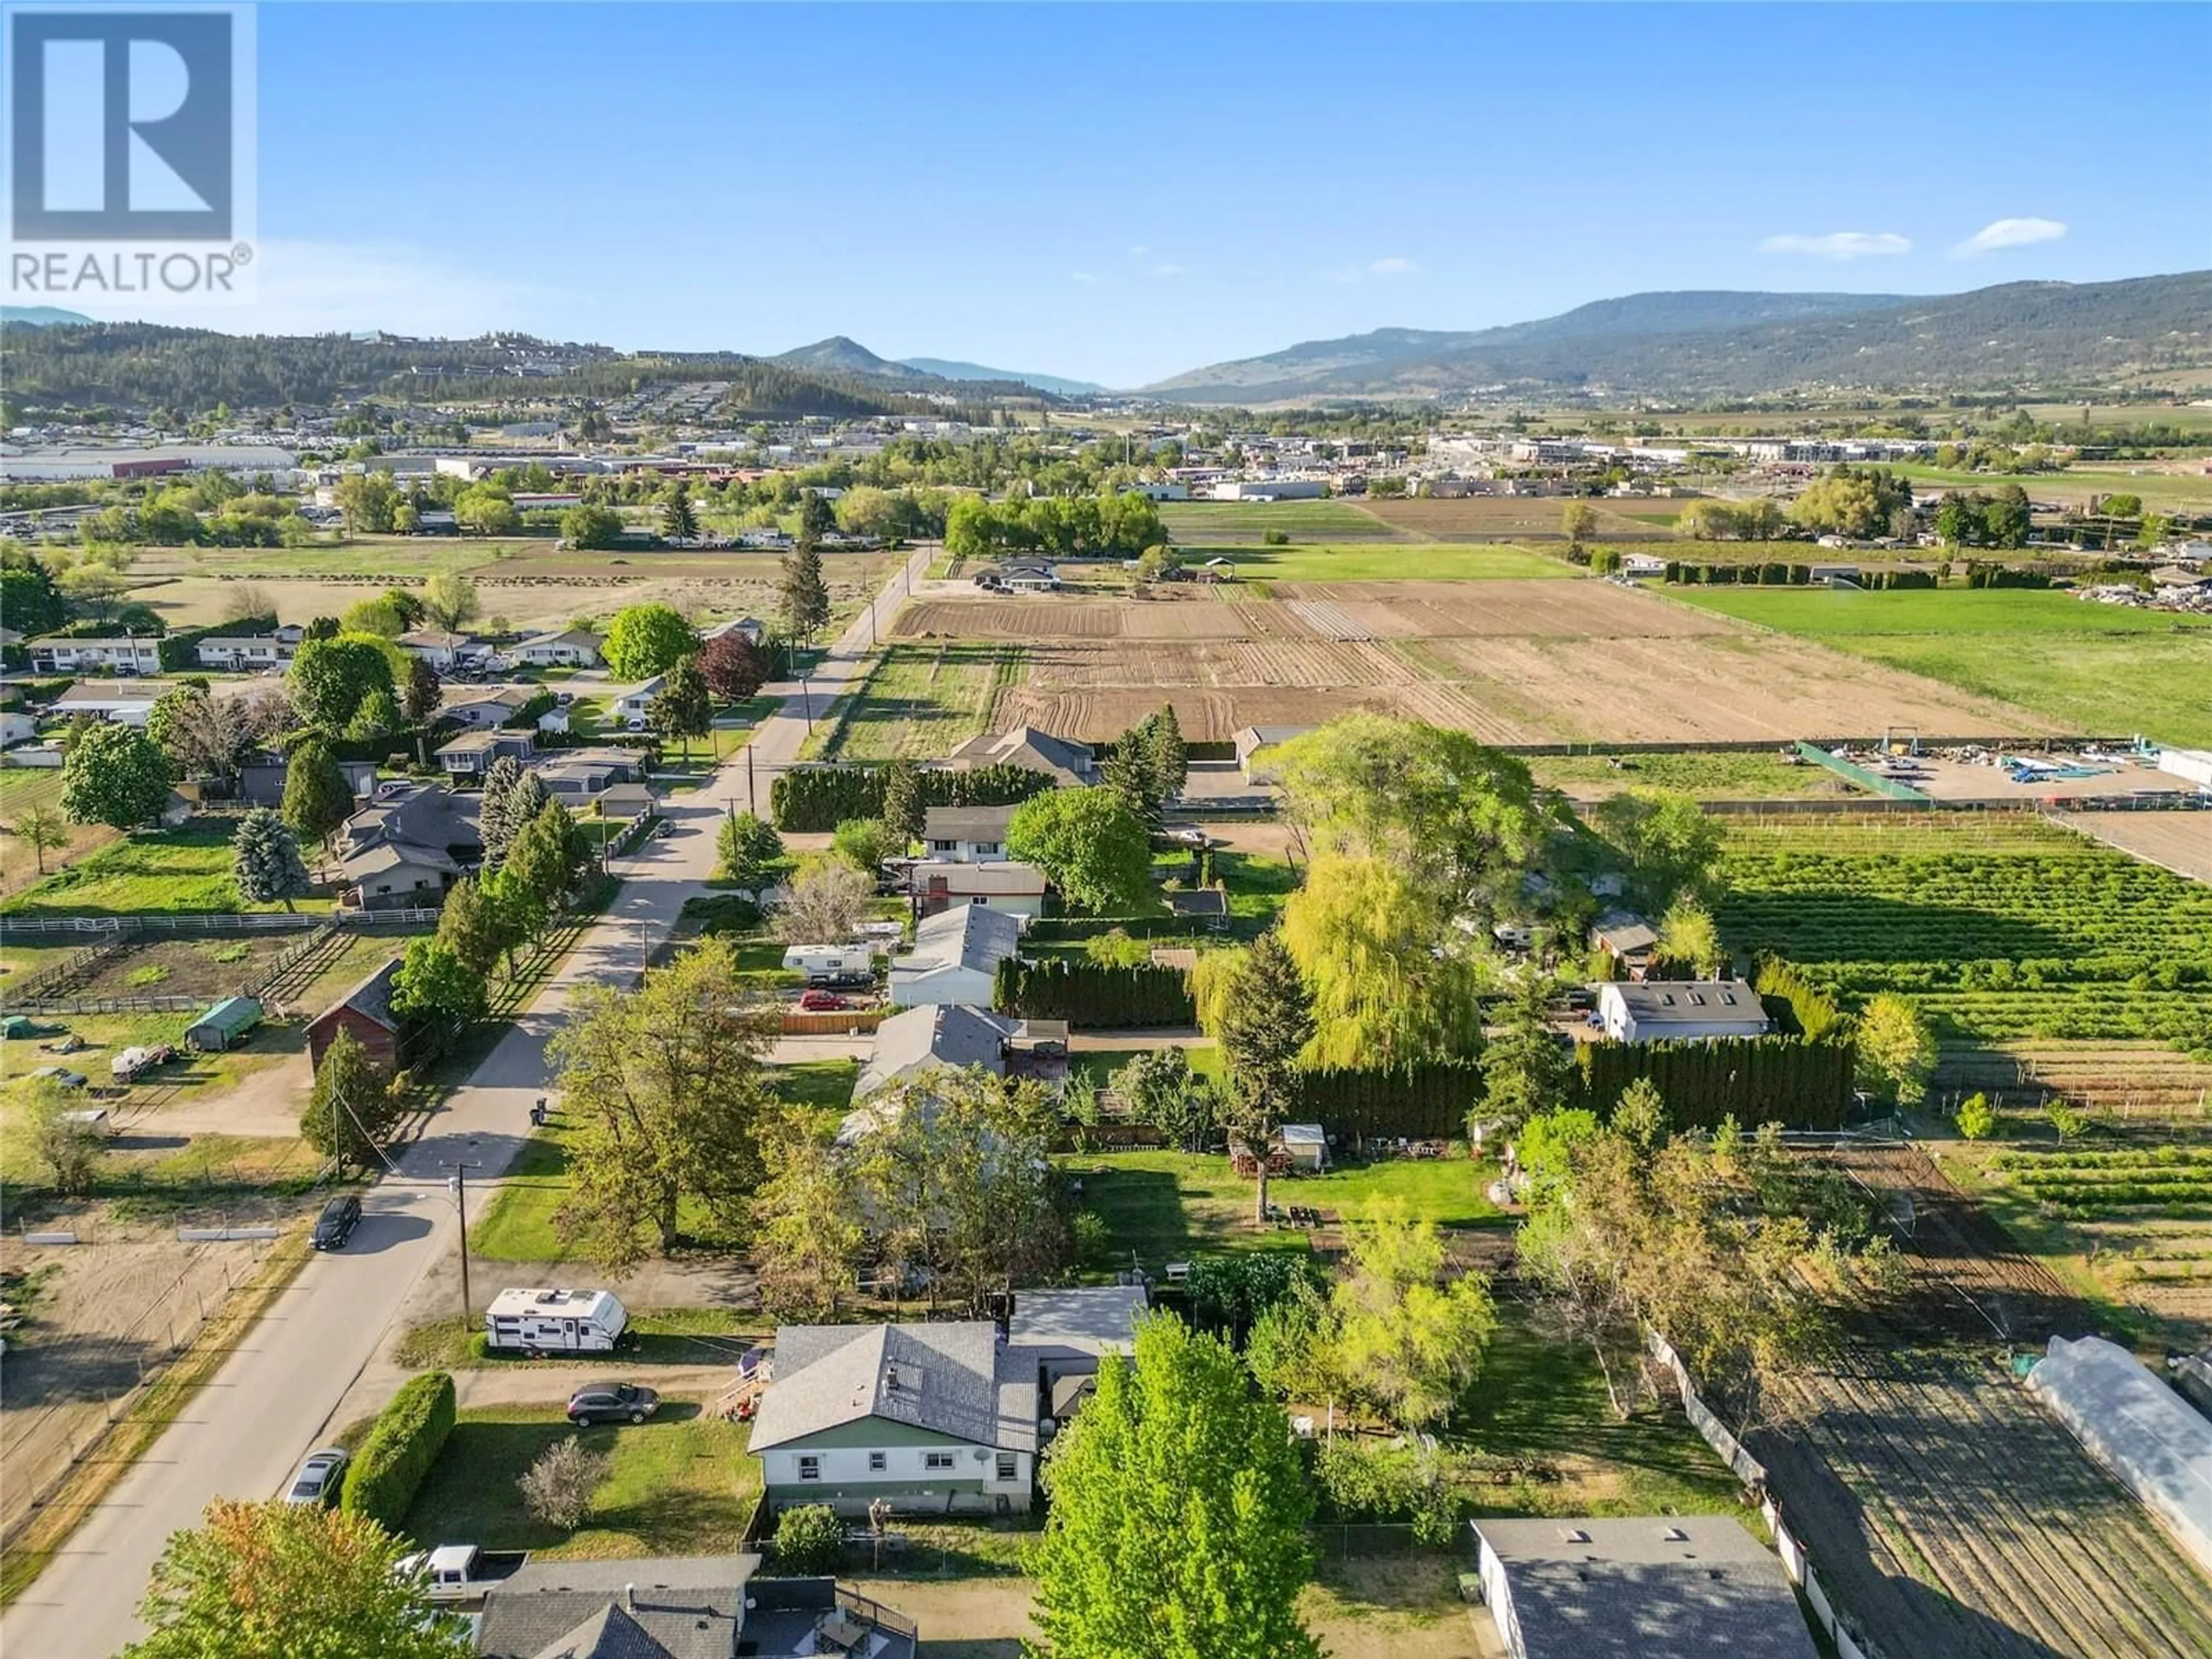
(1697, 344)
(40, 316)
(839, 355)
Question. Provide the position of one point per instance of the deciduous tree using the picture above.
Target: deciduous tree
(450, 601)
(1090, 846)
(736, 667)
(1668, 840)
(42, 829)
(557, 1486)
(664, 1085)
(826, 901)
(1897, 1051)
(332, 679)
(291, 1580)
(1177, 1523)
(750, 851)
(684, 709)
(114, 775)
(71, 1147)
(645, 639)
(1367, 943)
(807, 1242)
(1398, 1332)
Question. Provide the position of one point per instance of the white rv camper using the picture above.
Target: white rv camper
(831, 964)
(555, 1321)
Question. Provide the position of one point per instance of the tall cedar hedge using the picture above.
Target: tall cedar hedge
(1755, 1080)
(1093, 994)
(817, 798)
(402, 1443)
(1427, 1100)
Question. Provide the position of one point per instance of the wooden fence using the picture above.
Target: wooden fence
(835, 1021)
(1797, 1559)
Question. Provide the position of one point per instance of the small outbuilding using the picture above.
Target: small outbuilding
(1306, 1147)
(223, 1025)
(1652, 1010)
(364, 1013)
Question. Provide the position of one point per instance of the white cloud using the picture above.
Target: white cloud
(1167, 270)
(2009, 233)
(1139, 251)
(1393, 266)
(1840, 244)
(1084, 277)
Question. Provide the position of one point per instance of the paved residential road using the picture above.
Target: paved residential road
(245, 1432)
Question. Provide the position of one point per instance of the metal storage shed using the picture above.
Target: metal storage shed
(223, 1025)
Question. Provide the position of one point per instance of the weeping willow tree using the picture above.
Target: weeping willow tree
(1385, 991)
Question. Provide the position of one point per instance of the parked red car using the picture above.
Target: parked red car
(823, 1002)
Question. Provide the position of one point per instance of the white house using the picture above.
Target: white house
(1649, 1010)
(572, 648)
(1643, 564)
(933, 1419)
(941, 884)
(16, 726)
(966, 835)
(483, 706)
(435, 645)
(246, 652)
(955, 957)
(636, 703)
(127, 702)
(126, 655)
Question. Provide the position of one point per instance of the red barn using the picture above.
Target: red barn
(366, 1013)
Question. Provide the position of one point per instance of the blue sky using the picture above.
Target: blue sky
(1123, 192)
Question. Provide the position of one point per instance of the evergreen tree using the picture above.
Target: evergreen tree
(686, 708)
(1525, 1069)
(804, 596)
(317, 798)
(678, 522)
(266, 860)
(472, 927)
(1267, 1020)
(495, 820)
(903, 806)
(350, 1111)
(1167, 756)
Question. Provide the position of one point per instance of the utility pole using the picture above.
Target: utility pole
(752, 797)
(458, 1184)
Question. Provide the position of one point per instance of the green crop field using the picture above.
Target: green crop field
(1994, 925)
(1427, 562)
(2170, 1181)
(1239, 522)
(2161, 491)
(2105, 670)
(921, 700)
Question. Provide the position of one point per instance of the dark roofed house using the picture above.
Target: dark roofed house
(1627, 938)
(364, 1014)
(1660, 1586)
(1063, 759)
(403, 852)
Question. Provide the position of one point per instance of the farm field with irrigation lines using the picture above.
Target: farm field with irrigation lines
(920, 700)
(1995, 926)
(1948, 1511)
(2103, 670)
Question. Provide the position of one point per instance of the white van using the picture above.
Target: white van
(831, 964)
(555, 1321)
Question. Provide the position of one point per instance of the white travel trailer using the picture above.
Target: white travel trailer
(555, 1321)
(831, 964)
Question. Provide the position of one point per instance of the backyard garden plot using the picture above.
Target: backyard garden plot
(921, 700)
(163, 872)
(1997, 926)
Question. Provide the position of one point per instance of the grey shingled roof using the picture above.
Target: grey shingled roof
(685, 1608)
(966, 822)
(964, 935)
(952, 1379)
(1625, 1589)
(933, 1035)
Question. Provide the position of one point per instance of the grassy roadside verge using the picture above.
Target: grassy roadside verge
(160, 1405)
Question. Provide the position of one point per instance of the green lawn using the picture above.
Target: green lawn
(1540, 1409)
(1101, 1065)
(2101, 670)
(920, 700)
(680, 1484)
(2161, 491)
(368, 557)
(1239, 522)
(1431, 561)
(166, 871)
(1163, 1205)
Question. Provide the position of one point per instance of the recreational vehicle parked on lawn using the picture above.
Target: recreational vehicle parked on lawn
(555, 1321)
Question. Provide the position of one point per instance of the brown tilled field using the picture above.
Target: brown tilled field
(1511, 661)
